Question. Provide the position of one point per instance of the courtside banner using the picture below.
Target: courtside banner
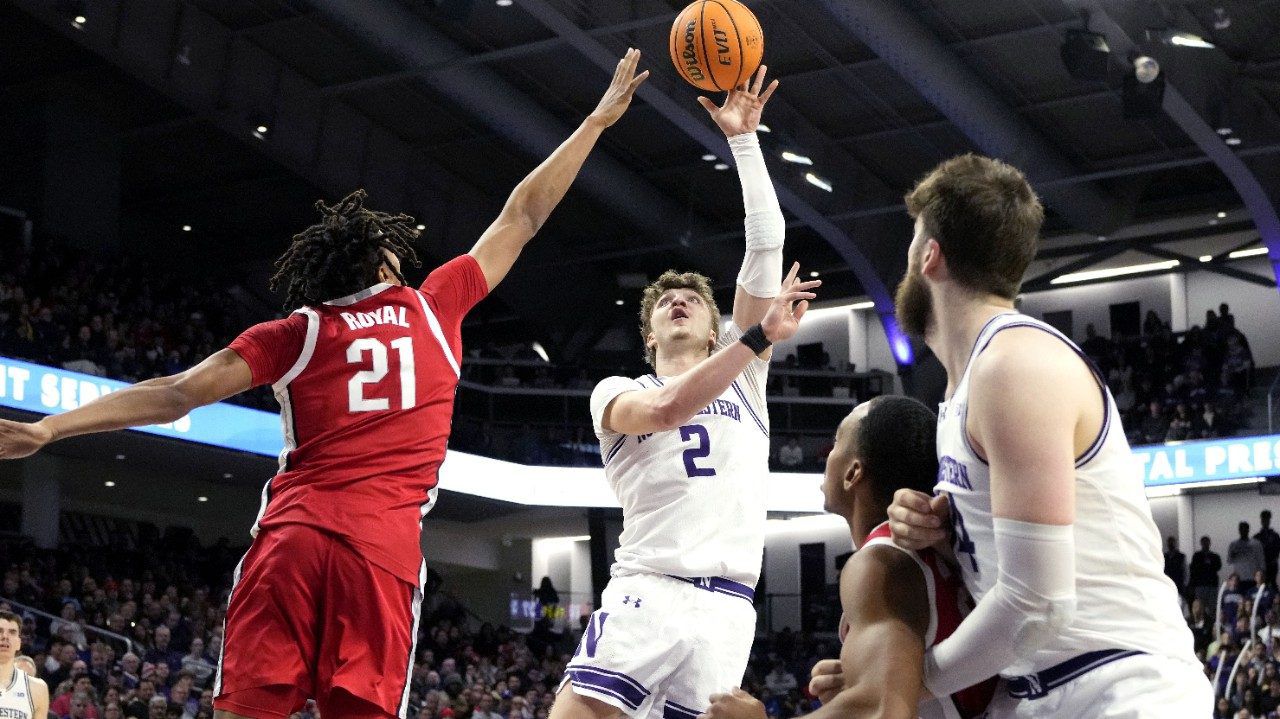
(1208, 460)
(37, 388)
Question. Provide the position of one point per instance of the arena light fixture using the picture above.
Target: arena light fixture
(721, 166)
(1186, 39)
(1225, 131)
(539, 350)
(1206, 258)
(1222, 215)
(709, 157)
(504, 3)
(813, 274)
(789, 156)
(763, 128)
(108, 483)
(78, 21)
(1142, 92)
(421, 228)
(1232, 141)
(818, 182)
(1251, 252)
(619, 302)
(1113, 272)
(119, 456)
(186, 228)
(226, 475)
(202, 498)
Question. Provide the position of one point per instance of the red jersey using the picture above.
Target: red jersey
(949, 603)
(366, 386)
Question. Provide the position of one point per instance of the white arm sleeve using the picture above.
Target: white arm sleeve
(1033, 599)
(761, 274)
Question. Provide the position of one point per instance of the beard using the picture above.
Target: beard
(912, 304)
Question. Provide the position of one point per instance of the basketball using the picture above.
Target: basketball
(716, 44)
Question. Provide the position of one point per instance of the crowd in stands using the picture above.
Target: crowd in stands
(1234, 618)
(112, 318)
(1170, 388)
(167, 594)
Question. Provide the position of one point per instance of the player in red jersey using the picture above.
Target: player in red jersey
(896, 603)
(325, 604)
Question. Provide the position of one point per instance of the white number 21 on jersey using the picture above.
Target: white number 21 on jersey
(356, 401)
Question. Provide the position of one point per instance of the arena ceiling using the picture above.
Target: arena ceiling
(439, 107)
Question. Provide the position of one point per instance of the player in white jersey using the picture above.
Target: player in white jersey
(21, 697)
(686, 450)
(1049, 520)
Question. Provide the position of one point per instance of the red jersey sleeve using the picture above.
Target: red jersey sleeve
(271, 348)
(454, 288)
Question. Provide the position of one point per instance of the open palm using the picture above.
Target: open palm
(742, 106)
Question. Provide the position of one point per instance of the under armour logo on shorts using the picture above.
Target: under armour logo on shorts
(635, 603)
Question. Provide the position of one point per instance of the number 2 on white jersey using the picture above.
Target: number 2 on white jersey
(356, 401)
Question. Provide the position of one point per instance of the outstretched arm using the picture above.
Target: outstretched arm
(761, 274)
(531, 203)
(669, 406)
(155, 401)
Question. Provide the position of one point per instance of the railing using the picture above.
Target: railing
(88, 629)
(1271, 404)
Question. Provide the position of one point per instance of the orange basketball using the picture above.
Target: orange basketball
(716, 44)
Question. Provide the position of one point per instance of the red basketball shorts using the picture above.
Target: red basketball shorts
(309, 615)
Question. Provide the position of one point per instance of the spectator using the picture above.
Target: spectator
(160, 653)
(1245, 556)
(1179, 425)
(1155, 426)
(1175, 565)
(780, 681)
(1201, 626)
(791, 454)
(1270, 542)
(68, 626)
(197, 664)
(1232, 597)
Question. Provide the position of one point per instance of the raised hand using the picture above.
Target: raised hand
(782, 319)
(618, 97)
(917, 520)
(742, 106)
(22, 439)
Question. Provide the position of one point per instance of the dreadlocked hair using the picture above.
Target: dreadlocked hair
(341, 255)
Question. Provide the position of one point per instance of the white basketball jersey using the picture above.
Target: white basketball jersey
(1123, 598)
(693, 498)
(15, 699)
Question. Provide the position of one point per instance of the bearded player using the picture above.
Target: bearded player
(1050, 522)
(365, 372)
(686, 450)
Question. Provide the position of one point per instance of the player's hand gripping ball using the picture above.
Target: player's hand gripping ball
(716, 44)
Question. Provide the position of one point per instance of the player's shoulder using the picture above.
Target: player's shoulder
(38, 686)
(622, 382)
(1029, 355)
(884, 580)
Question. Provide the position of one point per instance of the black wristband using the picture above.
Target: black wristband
(755, 339)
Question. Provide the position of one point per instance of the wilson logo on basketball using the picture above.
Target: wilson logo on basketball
(690, 53)
(722, 44)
